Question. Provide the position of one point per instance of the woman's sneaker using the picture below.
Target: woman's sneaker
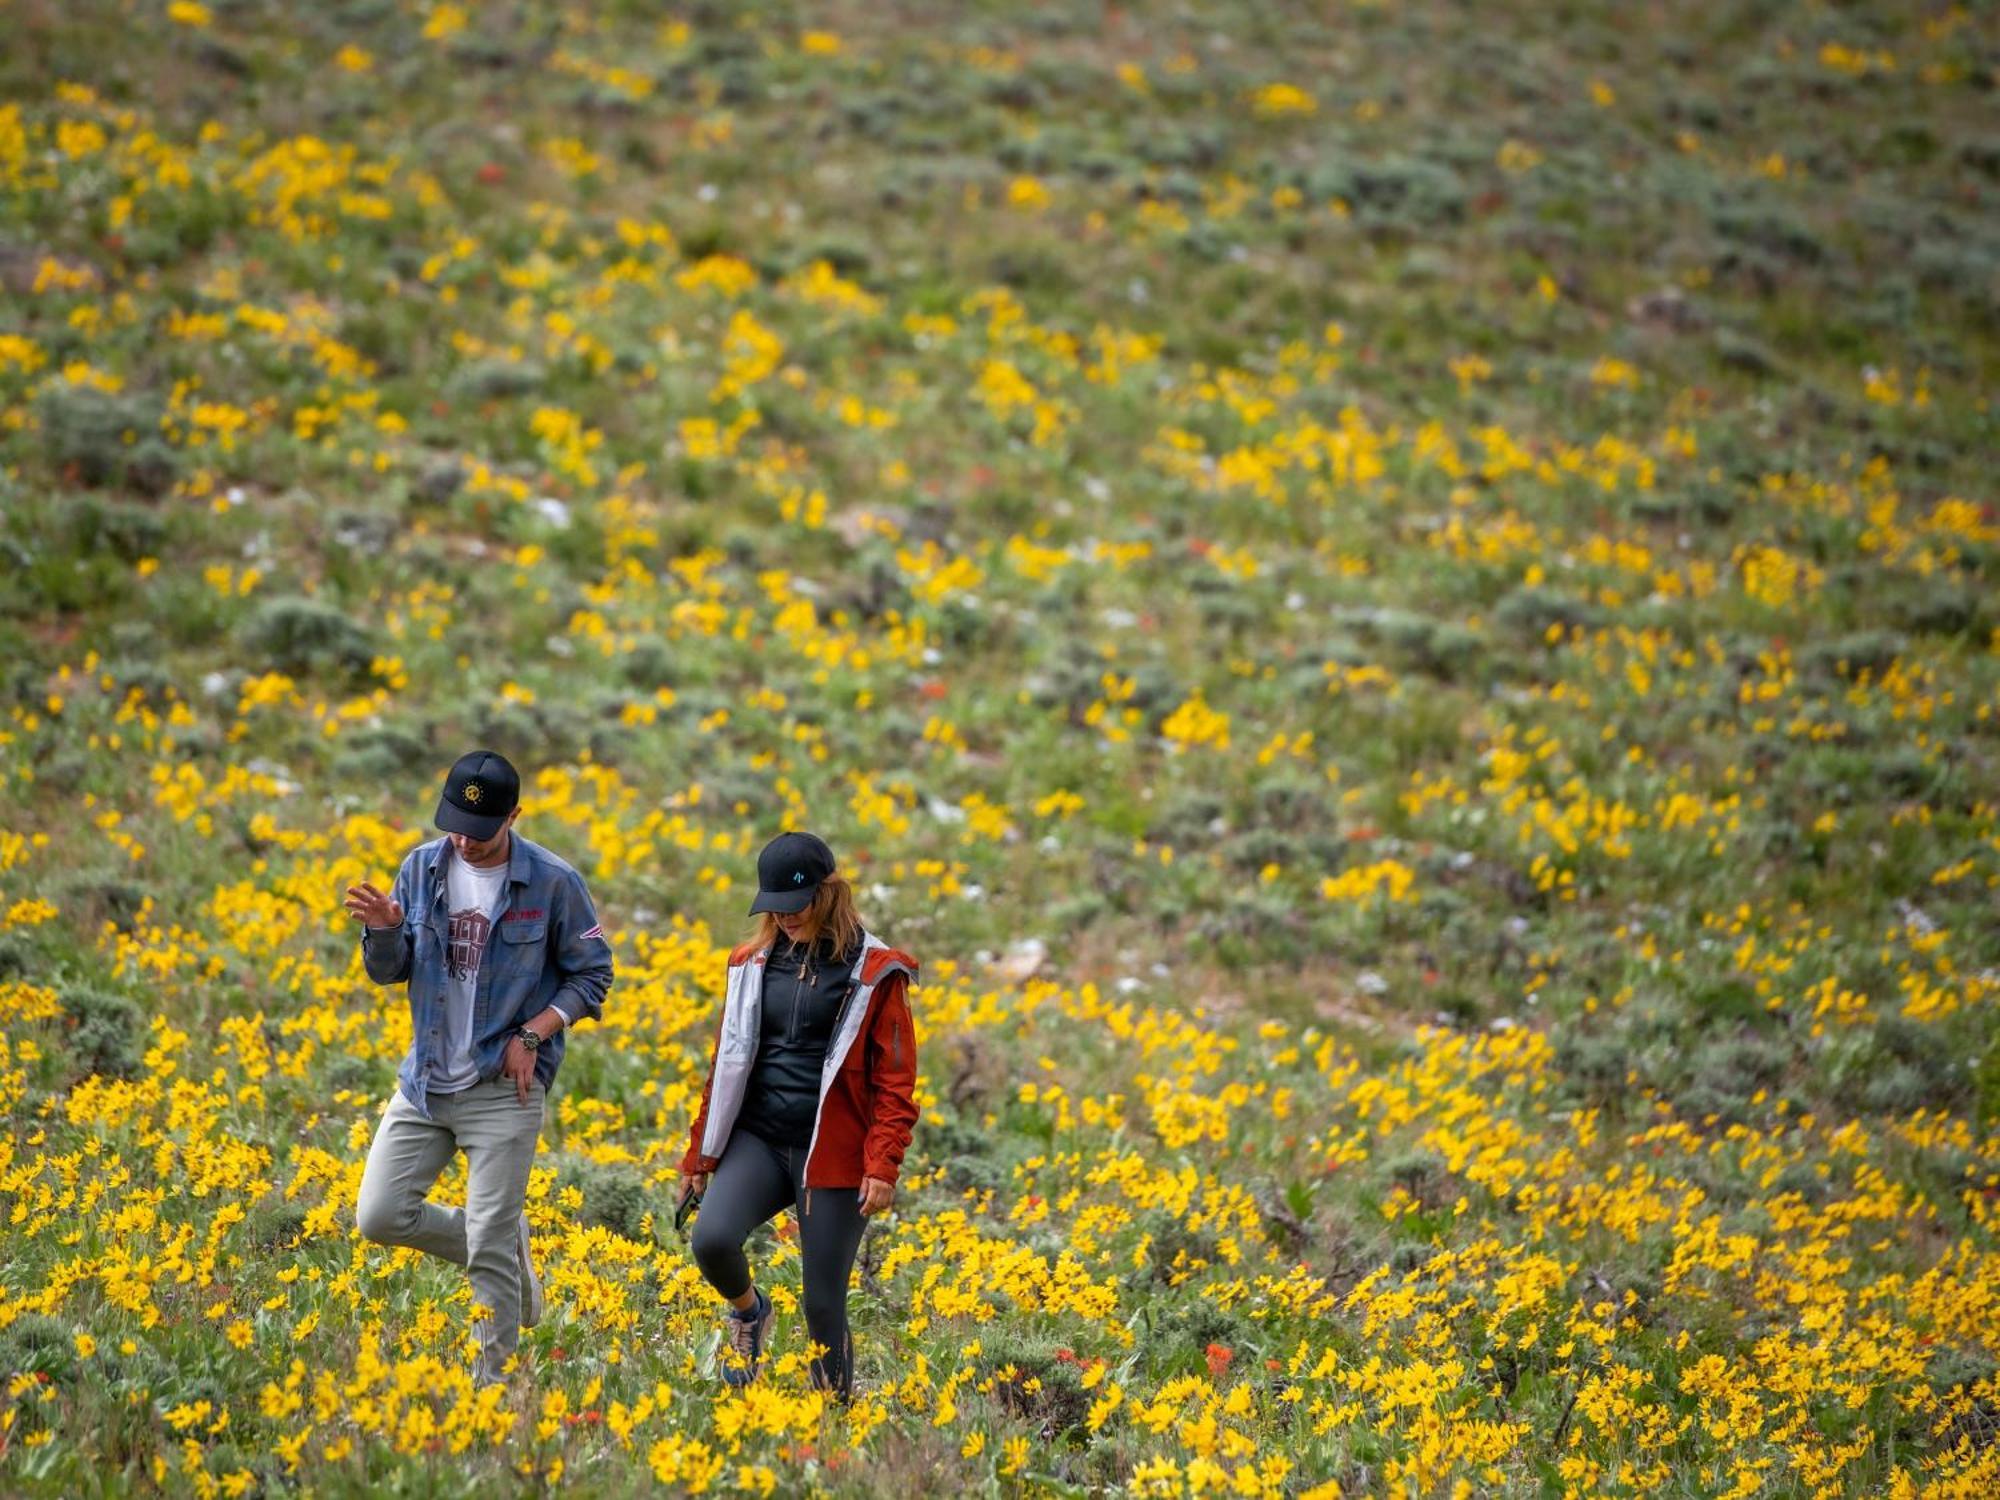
(836, 1380)
(748, 1335)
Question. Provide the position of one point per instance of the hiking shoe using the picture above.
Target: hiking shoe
(836, 1380)
(749, 1333)
(531, 1284)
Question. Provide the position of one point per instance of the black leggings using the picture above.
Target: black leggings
(752, 1182)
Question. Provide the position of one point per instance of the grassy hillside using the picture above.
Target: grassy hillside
(1399, 601)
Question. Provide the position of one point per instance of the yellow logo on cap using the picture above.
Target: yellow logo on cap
(470, 792)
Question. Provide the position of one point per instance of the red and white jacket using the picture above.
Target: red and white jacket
(867, 1086)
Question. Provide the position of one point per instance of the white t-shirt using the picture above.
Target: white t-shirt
(473, 897)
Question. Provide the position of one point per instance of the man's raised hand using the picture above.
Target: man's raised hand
(373, 907)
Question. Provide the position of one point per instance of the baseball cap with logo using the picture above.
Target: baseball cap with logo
(789, 872)
(481, 789)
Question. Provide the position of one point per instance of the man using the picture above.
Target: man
(501, 950)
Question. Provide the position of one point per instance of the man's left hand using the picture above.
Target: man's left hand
(518, 1064)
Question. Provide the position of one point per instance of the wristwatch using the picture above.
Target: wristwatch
(528, 1037)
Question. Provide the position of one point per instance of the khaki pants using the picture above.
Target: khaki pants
(497, 1133)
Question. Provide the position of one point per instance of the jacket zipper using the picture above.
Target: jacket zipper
(792, 1035)
(798, 999)
(853, 988)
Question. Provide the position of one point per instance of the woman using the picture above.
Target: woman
(810, 1091)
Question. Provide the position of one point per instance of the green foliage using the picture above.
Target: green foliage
(1726, 1074)
(301, 636)
(1435, 647)
(102, 438)
(616, 1195)
(495, 380)
(1531, 611)
(105, 1030)
(33, 1344)
(1395, 192)
(384, 752)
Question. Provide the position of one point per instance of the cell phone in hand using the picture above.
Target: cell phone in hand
(690, 1201)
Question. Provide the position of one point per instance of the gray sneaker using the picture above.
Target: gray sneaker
(531, 1284)
(748, 1335)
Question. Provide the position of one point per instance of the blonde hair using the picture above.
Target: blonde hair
(830, 914)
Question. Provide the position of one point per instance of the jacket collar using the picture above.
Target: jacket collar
(877, 961)
(520, 858)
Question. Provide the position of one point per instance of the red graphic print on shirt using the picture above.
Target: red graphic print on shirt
(467, 934)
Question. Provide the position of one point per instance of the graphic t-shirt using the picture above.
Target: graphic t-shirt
(472, 896)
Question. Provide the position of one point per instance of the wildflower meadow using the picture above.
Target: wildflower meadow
(1399, 601)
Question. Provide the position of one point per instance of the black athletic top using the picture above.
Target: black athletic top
(802, 999)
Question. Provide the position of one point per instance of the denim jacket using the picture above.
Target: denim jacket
(548, 949)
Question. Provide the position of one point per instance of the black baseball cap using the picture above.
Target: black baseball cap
(789, 872)
(482, 788)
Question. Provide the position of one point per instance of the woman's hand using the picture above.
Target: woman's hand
(875, 1195)
(693, 1182)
